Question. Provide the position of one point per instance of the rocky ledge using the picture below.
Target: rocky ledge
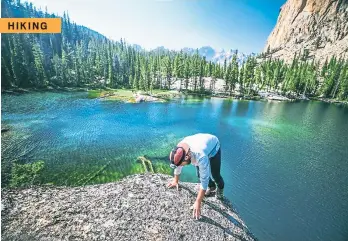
(139, 207)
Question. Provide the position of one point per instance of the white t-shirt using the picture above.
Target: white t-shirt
(202, 146)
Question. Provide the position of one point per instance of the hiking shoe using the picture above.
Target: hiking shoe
(210, 190)
(219, 193)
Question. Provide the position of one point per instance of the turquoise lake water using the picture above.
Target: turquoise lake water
(285, 164)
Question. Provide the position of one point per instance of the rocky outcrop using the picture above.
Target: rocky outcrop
(145, 98)
(139, 207)
(316, 28)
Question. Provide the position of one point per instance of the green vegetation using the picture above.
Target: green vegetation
(25, 174)
(94, 94)
(111, 94)
(303, 77)
(160, 167)
(128, 95)
(28, 174)
(154, 167)
(136, 168)
(81, 57)
(91, 176)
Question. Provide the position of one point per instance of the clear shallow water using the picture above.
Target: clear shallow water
(285, 164)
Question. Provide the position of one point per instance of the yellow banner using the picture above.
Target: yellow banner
(30, 25)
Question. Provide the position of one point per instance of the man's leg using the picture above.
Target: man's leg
(215, 165)
(211, 184)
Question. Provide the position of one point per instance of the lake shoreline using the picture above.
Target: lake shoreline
(172, 95)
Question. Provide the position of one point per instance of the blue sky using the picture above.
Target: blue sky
(175, 24)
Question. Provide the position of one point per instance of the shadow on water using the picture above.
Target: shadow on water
(242, 108)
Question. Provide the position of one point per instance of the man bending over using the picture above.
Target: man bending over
(204, 152)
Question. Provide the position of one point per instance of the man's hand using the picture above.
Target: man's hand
(174, 184)
(197, 210)
(197, 206)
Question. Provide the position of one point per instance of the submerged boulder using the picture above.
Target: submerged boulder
(4, 129)
(139, 207)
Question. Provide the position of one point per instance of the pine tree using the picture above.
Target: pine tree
(41, 75)
(340, 80)
(225, 69)
(196, 70)
(312, 80)
(201, 74)
(249, 74)
(167, 71)
(234, 73)
(258, 77)
(343, 91)
(178, 68)
(241, 79)
(110, 68)
(154, 69)
(187, 72)
(331, 75)
(228, 78)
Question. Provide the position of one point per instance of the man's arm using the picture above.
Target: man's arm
(198, 204)
(175, 182)
(200, 195)
(177, 171)
(176, 178)
(204, 174)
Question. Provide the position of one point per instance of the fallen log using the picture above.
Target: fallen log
(147, 164)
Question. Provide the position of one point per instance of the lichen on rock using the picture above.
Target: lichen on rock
(139, 207)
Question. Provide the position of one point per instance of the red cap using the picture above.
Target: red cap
(177, 156)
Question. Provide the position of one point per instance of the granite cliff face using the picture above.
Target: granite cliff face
(139, 207)
(319, 27)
